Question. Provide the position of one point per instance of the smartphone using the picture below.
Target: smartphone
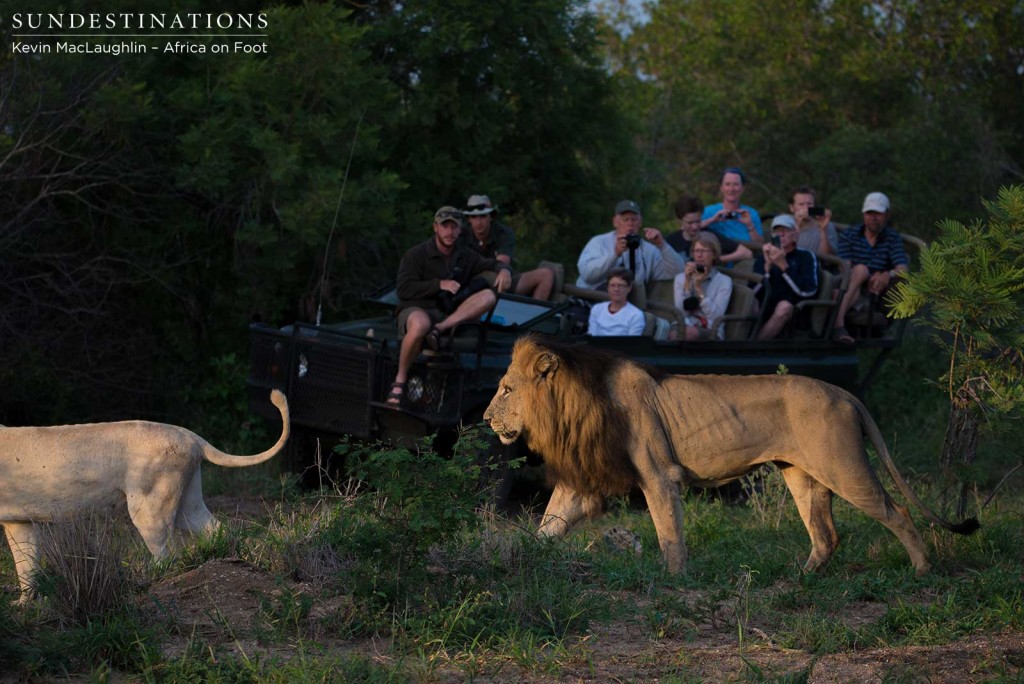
(776, 241)
(816, 211)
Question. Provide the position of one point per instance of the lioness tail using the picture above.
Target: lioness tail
(218, 457)
(966, 526)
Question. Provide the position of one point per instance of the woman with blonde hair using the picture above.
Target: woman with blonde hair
(701, 292)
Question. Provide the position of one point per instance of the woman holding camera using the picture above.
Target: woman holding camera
(729, 218)
(701, 292)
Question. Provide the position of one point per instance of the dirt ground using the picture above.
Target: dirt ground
(218, 601)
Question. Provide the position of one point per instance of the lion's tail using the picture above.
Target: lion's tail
(966, 526)
(218, 457)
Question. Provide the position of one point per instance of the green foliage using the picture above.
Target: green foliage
(970, 290)
(847, 97)
(220, 408)
(154, 205)
(431, 497)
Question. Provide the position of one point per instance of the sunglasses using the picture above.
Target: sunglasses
(477, 207)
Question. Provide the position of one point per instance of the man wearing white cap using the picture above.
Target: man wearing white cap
(876, 256)
(653, 256)
(494, 240)
(791, 274)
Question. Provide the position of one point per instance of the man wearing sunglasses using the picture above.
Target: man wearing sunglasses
(494, 240)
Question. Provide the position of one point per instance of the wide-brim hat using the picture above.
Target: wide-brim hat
(478, 205)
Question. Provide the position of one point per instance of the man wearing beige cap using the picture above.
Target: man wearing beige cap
(495, 240)
(876, 256)
(438, 288)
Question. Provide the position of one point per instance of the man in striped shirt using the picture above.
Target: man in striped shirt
(874, 250)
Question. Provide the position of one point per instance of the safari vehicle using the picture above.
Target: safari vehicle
(336, 376)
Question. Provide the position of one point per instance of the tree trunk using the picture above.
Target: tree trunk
(961, 444)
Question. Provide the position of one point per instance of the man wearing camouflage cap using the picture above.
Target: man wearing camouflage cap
(438, 288)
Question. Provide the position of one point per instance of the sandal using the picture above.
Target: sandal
(841, 335)
(396, 394)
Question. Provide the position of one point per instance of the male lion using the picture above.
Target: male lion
(67, 470)
(605, 424)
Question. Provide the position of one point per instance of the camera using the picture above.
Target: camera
(691, 304)
(700, 268)
(732, 214)
(816, 211)
(632, 241)
(776, 241)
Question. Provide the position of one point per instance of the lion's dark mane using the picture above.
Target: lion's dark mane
(582, 435)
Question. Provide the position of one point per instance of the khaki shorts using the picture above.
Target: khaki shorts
(435, 315)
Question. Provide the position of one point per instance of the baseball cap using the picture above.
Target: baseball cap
(627, 205)
(876, 201)
(783, 221)
(448, 214)
(478, 205)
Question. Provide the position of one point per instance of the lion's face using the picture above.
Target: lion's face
(505, 413)
(511, 411)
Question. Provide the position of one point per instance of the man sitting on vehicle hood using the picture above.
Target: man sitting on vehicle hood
(438, 288)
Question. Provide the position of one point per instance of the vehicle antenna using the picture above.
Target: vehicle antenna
(334, 224)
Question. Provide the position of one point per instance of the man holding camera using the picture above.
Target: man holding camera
(439, 286)
(729, 218)
(649, 257)
(791, 276)
(817, 233)
(495, 240)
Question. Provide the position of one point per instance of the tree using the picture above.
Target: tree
(970, 289)
(912, 98)
(510, 100)
(155, 203)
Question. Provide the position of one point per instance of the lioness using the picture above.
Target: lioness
(605, 424)
(67, 470)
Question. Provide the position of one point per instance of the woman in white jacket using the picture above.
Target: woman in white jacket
(701, 292)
